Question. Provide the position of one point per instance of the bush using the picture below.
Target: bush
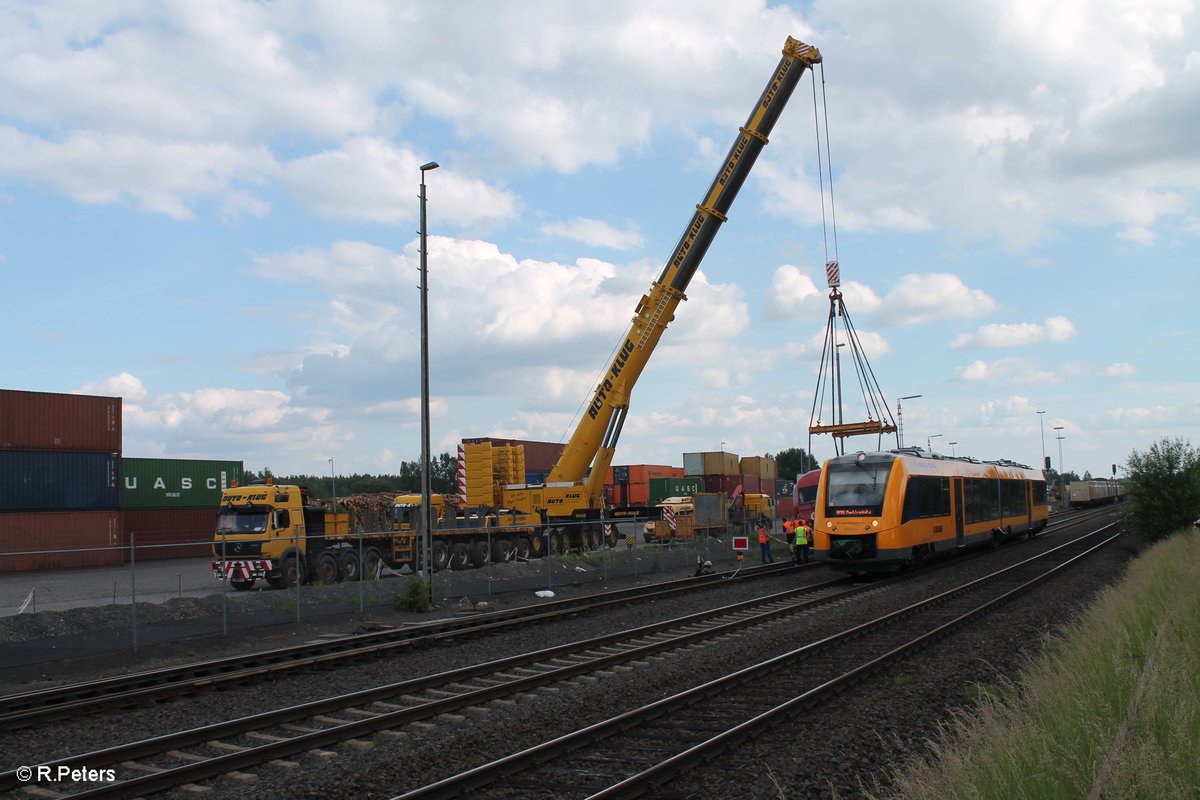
(1164, 489)
(414, 597)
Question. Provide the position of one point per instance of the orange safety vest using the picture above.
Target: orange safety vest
(762, 536)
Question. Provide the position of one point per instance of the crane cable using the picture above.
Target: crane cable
(823, 165)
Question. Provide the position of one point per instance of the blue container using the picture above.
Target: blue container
(46, 480)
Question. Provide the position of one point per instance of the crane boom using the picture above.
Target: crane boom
(594, 440)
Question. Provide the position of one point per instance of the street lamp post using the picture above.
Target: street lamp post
(426, 501)
(900, 419)
(929, 441)
(1042, 428)
(953, 452)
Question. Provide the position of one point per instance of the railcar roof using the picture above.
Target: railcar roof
(916, 461)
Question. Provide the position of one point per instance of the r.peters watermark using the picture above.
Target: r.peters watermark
(46, 773)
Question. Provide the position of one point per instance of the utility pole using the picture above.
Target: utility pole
(426, 500)
(900, 419)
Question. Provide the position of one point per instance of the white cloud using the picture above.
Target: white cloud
(1006, 371)
(597, 233)
(1121, 370)
(371, 179)
(921, 298)
(124, 385)
(163, 176)
(1055, 329)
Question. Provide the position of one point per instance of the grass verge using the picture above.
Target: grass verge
(1110, 709)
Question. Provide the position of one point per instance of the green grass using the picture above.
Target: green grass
(1112, 707)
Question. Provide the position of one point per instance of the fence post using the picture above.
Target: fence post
(133, 584)
(299, 572)
(362, 603)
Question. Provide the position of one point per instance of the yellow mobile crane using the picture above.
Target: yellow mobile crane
(275, 533)
(573, 487)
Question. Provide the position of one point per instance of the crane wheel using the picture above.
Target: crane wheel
(441, 555)
(479, 554)
(522, 548)
(501, 550)
(460, 556)
(537, 545)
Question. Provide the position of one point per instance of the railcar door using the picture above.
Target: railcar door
(959, 534)
(1029, 505)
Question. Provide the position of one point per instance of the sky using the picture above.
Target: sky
(212, 209)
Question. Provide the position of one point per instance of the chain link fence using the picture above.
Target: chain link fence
(166, 593)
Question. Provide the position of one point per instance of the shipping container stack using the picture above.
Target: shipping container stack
(631, 484)
(169, 505)
(721, 471)
(784, 507)
(60, 458)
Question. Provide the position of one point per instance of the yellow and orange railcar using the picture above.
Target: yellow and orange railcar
(879, 511)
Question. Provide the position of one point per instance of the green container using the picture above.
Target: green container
(662, 488)
(175, 482)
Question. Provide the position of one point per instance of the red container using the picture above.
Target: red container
(752, 484)
(539, 456)
(722, 483)
(60, 540)
(48, 421)
(783, 508)
(162, 533)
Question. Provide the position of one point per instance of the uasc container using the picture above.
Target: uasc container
(175, 482)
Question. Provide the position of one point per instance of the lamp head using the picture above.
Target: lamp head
(429, 166)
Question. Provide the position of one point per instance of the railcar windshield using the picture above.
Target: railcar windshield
(236, 520)
(855, 487)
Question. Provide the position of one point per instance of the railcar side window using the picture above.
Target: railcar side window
(982, 499)
(1012, 494)
(926, 496)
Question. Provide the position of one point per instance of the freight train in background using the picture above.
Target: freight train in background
(880, 511)
(1084, 494)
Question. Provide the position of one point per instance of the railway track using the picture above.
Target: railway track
(241, 744)
(189, 756)
(28, 708)
(679, 732)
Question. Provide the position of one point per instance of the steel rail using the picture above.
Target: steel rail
(477, 778)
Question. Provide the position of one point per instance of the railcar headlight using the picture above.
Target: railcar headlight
(874, 523)
(828, 524)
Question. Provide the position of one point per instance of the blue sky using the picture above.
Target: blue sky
(210, 210)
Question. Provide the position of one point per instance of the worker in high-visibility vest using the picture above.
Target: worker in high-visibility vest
(789, 534)
(764, 543)
(801, 545)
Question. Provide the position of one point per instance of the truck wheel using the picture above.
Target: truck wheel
(289, 573)
(556, 542)
(460, 556)
(523, 548)
(501, 550)
(242, 584)
(611, 538)
(441, 555)
(372, 561)
(537, 545)
(327, 569)
(479, 554)
(348, 566)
